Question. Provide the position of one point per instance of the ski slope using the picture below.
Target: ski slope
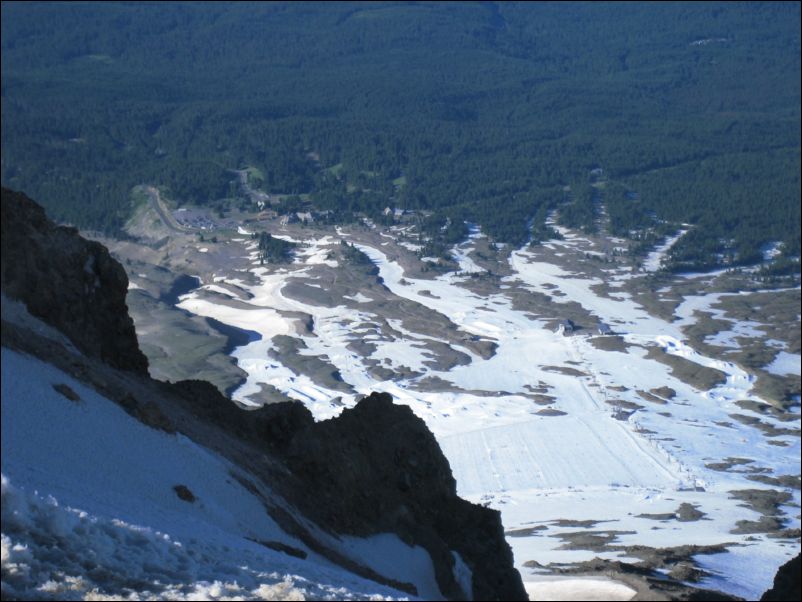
(570, 452)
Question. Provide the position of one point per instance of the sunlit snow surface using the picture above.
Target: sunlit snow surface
(537, 469)
(785, 363)
(89, 510)
(578, 588)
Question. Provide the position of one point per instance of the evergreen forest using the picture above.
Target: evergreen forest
(636, 117)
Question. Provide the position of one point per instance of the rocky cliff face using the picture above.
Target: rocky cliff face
(68, 282)
(375, 469)
(378, 468)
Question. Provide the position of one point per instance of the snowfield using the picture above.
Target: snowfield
(595, 446)
(582, 588)
(89, 511)
(573, 439)
(569, 452)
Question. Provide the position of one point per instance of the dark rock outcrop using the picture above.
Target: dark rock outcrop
(374, 469)
(271, 427)
(786, 582)
(377, 468)
(69, 282)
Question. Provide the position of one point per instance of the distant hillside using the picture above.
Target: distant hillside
(480, 111)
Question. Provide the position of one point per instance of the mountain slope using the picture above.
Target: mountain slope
(115, 484)
(89, 504)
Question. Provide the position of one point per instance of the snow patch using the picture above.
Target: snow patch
(786, 363)
(359, 298)
(389, 556)
(654, 261)
(578, 588)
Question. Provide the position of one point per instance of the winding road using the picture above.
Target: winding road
(164, 213)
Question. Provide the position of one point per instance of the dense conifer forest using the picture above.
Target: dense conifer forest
(495, 113)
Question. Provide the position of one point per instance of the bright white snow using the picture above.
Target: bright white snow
(577, 588)
(786, 363)
(89, 509)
